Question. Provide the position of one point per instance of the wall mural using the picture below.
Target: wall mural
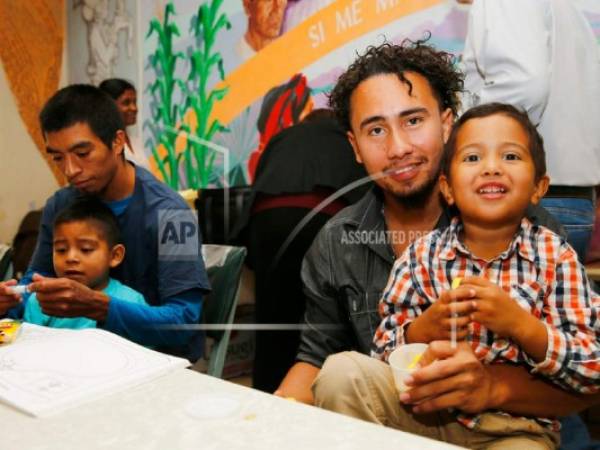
(102, 31)
(103, 41)
(218, 78)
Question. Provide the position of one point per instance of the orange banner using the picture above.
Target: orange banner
(31, 33)
(330, 28)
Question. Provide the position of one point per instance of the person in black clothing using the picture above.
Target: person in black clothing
(301, 166)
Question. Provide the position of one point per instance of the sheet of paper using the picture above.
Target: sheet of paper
(47, 370)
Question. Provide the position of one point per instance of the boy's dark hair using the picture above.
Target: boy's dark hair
(82, 103)
(436, 66)
(93, 211)
(115, 87)
(536, 143)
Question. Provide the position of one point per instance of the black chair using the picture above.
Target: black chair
(220, 211)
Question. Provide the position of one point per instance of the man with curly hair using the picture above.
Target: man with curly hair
(398, 103)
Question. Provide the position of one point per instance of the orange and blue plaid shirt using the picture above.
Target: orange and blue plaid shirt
(539, 270)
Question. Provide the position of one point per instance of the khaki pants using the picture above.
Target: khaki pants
(362, 387)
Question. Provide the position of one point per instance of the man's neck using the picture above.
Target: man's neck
(406, 222)
(122, 184)
(487, 241)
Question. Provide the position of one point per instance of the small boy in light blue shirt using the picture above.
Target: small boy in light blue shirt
(87, 244)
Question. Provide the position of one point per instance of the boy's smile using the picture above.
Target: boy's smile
(492, 173)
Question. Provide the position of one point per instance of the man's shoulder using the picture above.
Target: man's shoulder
(539, 216)
(355, 231)
(156, 193)
(355, 215)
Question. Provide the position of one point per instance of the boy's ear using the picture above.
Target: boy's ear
(117, 254)
(446, 190)
(447, 122)
(540, 190)
(352, 140)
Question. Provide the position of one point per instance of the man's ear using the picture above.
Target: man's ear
(118, 143)
(446, 190)
(354, 145)
(447, 122)
(117, 254)
(541, 187)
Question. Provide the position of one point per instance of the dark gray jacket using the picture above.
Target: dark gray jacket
(345, 272)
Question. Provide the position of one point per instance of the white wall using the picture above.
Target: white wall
(25, 179)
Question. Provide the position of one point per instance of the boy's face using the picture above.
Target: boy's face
(398, 131)
(82, 254)
(492, 174)
(87, 163)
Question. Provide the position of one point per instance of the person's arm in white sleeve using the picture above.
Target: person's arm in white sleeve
(507, 54)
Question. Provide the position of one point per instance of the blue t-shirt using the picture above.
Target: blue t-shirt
(33, 311)
(171, 285)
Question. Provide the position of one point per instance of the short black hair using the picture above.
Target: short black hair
(82, 103)
(536, 142)
(92, 211)
(115, 87)
(436, 66)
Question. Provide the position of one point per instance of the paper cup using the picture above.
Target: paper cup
(399, 361)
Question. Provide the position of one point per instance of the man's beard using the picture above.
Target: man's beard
(418, 198)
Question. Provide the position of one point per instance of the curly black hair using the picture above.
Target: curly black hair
(436, 66)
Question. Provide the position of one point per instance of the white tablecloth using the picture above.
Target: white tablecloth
(156, 415)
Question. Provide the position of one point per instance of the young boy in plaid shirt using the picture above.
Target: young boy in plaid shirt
(524, 297)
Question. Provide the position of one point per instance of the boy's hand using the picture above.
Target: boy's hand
(436, 322)
(494, 308)
(8, 300)
(63, 297)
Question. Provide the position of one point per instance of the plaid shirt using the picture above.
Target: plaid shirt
(539, 270)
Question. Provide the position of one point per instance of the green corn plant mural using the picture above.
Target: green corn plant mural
(165, 114)
(206, 24)
(175, 125)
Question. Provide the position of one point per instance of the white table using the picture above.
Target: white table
(154, 416)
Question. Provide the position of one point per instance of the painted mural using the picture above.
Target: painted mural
(219, 78)
(106, 40)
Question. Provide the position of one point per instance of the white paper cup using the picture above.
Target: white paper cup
(399, 361)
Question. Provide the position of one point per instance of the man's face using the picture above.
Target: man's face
(80, 253)
(87, 163)
(265, 16)
(398, 133)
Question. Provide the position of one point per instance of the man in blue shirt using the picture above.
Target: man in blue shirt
(85, 138)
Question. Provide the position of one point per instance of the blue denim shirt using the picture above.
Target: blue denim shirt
(345, 272)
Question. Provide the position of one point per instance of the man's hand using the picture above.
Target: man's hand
(495, 310)
(8, 300)
(450, 378)
(63, 297)
(436, 322)
(297, 383)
